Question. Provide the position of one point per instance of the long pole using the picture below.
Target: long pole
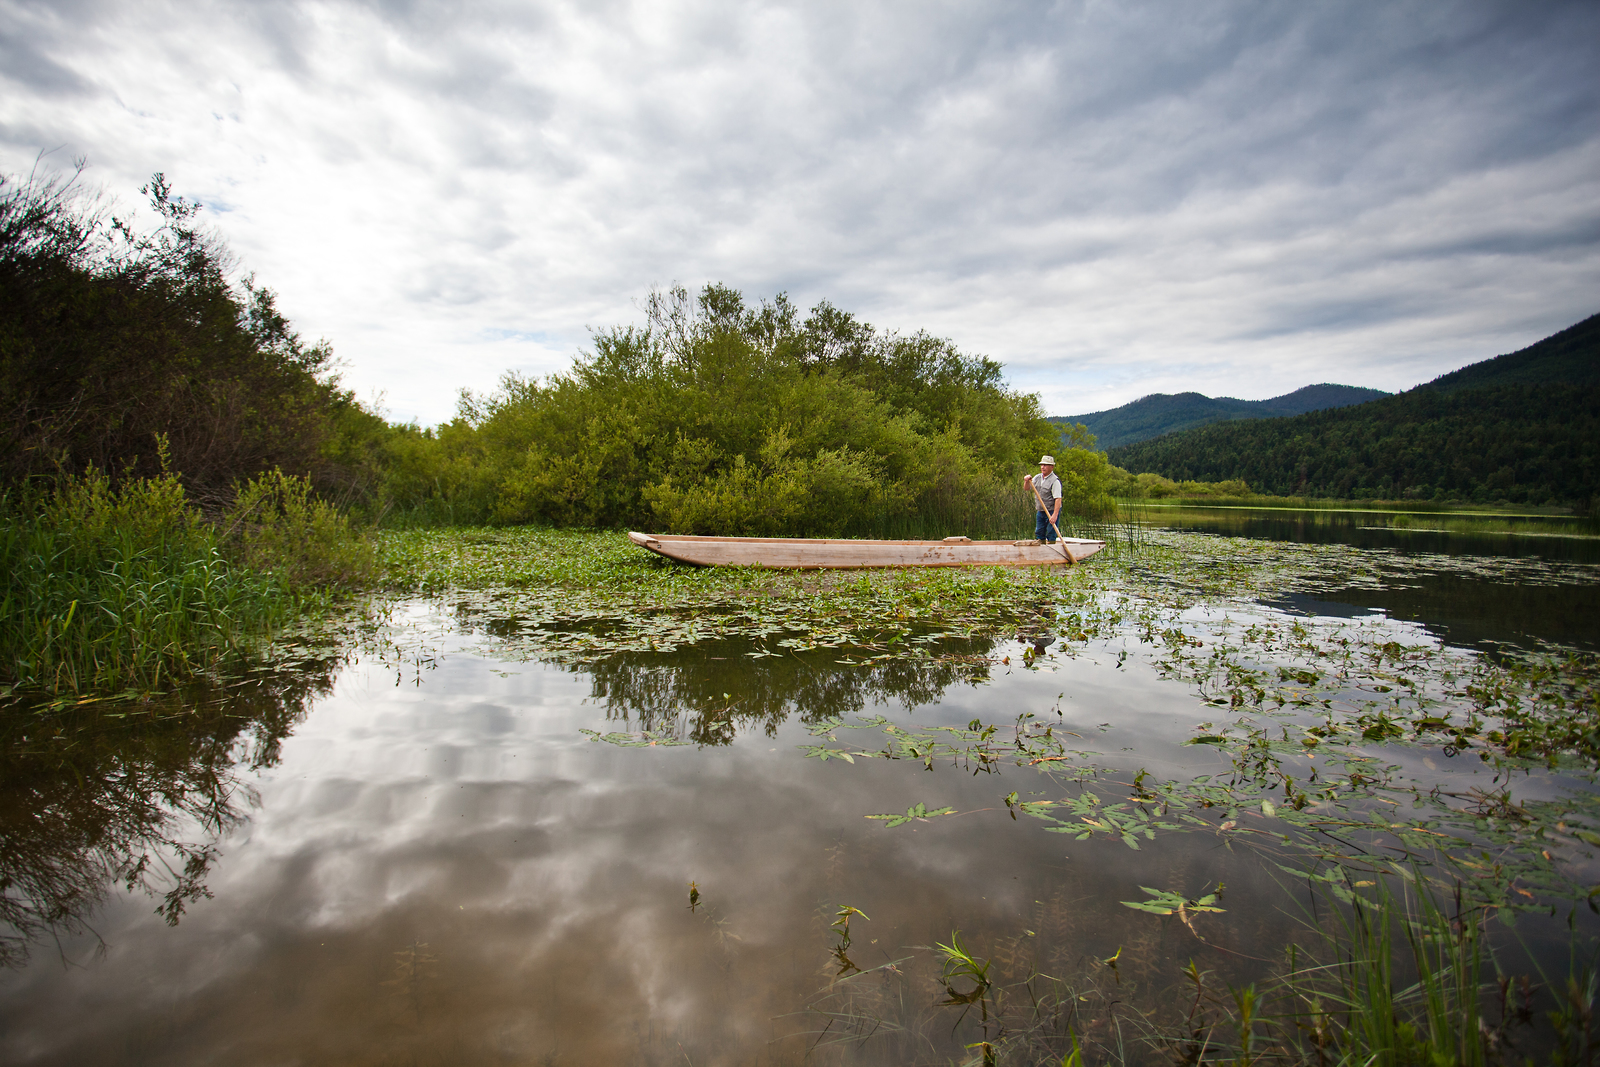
(1053, 525)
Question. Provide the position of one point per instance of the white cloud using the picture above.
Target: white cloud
(1112, 199)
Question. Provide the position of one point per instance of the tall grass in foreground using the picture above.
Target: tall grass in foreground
(1400, 972)
(130, 587)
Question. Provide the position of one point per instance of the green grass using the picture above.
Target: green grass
(130, 589)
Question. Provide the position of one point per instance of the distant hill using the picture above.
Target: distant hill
(1163, 413)
(1571, 357)
(1523, 428)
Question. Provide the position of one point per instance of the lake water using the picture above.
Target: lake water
(1468, 588)
(421, 857)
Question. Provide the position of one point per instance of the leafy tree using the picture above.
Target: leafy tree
(718, 416)
(110, 335)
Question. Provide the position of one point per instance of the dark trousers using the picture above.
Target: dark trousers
(1042, 530)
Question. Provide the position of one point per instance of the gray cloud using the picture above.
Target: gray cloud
(1112, 199)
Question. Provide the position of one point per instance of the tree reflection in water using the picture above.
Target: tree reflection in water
(136, 794)
(707, 694)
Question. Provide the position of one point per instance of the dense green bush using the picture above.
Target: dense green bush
(720, 417)
(1127, 486)
(277, 526)
(110, 335)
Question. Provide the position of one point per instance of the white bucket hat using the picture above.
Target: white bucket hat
(1051, 460)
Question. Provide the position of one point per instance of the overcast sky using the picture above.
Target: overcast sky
(1112, 199)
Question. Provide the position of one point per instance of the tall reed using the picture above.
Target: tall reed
(112, 588)
(1358, 1001)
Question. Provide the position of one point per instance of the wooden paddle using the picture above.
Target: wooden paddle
(1053, 525)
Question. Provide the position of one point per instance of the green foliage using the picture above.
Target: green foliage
(109, 335)
(127, 586)
(916, 813)
(959, 963)
(1149, 486)
(1522, 428)
(1167, 902)
(276, 526)
(116, 588)
(1349, 994)
(721, 417)
(1566, 358)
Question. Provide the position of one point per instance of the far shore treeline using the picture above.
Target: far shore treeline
(1519, 429)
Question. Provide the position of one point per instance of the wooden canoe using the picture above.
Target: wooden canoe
(842, 554)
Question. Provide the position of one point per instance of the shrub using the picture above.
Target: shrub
(721, 417)
(277, 527)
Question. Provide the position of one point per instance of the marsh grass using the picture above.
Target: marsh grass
(130, 588)
(122, 588)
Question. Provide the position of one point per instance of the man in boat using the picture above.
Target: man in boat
(1046, 489)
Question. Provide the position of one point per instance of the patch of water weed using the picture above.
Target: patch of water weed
(1330, 734)
(579, 597)
(1343, 739)
(1345, 742)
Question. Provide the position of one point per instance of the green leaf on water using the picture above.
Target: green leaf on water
(918, 811)
(1166, 902)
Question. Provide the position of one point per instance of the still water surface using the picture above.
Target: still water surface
(432, 863)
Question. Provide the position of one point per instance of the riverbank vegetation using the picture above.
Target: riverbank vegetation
(130, 587)
(167, 409)
(168, 451)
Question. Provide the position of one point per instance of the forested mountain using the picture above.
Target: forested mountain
(1523, 428)
(1571, 357)
(1162, 413)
